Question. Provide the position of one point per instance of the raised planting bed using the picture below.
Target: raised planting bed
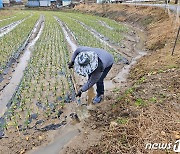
(12, 41)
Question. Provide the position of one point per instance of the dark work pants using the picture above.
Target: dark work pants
(100, 83)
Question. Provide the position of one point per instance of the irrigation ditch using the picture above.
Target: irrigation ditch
(15, 70)
(105, 24)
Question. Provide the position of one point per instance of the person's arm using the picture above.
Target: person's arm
(95, 76)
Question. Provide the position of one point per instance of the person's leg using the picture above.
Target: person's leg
(100, 83)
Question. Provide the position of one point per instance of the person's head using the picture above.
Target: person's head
(86, 63)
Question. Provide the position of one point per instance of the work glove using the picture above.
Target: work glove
(79, 93)
(70, 65)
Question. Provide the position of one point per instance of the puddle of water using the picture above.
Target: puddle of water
(122, 75)
(10, 89)
(109, 85)
(58, 144)
(82, 112)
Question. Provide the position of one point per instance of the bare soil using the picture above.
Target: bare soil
(145, 109)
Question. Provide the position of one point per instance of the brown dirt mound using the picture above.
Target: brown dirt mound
(143, 114)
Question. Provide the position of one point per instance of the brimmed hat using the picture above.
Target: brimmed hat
(85, 63)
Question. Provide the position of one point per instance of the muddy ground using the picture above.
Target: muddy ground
(146, 108)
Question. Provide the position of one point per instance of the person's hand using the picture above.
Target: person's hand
(70, 65)
(79, 93)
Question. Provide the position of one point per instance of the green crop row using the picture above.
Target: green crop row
(107, 27)
(19, 16)
(46, 84)
(13, 40)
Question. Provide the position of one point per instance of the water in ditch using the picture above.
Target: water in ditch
(65, 136)
(123, 74)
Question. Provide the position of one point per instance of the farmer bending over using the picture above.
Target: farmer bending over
(95, 63)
